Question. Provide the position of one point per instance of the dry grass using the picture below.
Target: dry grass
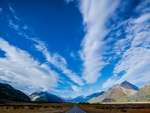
(35, 107)
(63, 107)
(116, 108)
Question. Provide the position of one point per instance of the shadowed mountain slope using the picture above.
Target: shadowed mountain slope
(128, 85)
(8, 93)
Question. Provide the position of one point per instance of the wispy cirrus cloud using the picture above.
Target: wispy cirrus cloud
(72, 54)
(12, 10)
(1, 10)
(14, 26)
(75, 88)
(20, 67)
(143, 18)
(68, 1)
(59, 62)
(53, 58)
(134, 57)
(95, 17)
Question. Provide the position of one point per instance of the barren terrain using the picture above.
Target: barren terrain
(17, 107)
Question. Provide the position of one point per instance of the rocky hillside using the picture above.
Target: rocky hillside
(142, 95)
(117, 93)
(44, 96)
(8, 93)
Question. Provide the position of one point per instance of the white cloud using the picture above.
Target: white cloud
(1, 10)
(12, 25)
(11, 9)
(72, 55)
(58, 61)
(141, 39)
(18, 66)
(143, 7)
(143, 18)
(135, 63)
(121, 45)
(25, 27)
(135, 52)
(13, 12)
(131, 58)
(15, 22)
(95, 15)
(53, 58)
(1, 14)
(76, 89)
(111, 81)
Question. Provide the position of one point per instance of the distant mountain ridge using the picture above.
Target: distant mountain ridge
(85, 98)
(44, 96)
(8, 93)
(117, 93)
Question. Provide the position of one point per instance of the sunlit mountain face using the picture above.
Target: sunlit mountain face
(74, 47)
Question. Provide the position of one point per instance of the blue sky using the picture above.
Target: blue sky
(74, 47)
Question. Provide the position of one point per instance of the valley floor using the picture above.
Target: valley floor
(63, 107)
(117, 108)
(17, 107)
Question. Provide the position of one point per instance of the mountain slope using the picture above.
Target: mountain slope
(142, 95)
(117, 93)
(45, 97)
(128, 85)
(85, 98)
(8, 93)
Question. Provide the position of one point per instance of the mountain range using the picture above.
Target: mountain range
(85, 98)
(44, 96)
(124, 92)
